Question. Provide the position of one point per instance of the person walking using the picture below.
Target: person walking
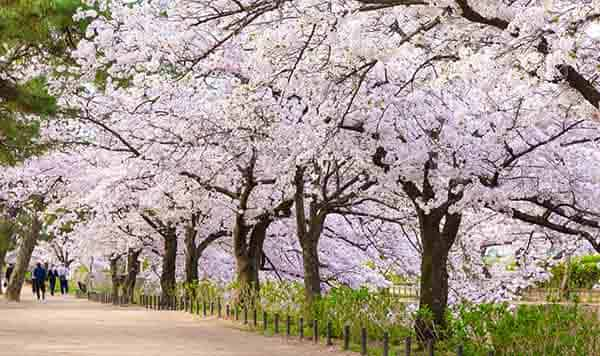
(52, 275)
(62, 276)
(33, 284)
(40, 282)
(9, 271)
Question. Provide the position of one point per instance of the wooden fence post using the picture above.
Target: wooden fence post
(288, 325)
(329, 332)
(386, 344)
(346, 337)
(316, 331)
(430, 348)
(407, 345)
(363, 341)
(301, 328)
(276, 323)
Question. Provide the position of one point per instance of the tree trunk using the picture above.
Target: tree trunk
(248, 258)
(434, 272)
(114, 276)
(2, 257)
(309, 240)
(191, 255)
(167, 277)
(133, 268)
(13, 292)
(193, 252)
(312, 274)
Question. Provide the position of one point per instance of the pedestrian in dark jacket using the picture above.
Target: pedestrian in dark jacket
(9, 271)
(40, 280)
(52, 275)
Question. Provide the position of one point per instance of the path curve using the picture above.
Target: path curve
(66, 326)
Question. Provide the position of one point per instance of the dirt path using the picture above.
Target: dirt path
(66, 326)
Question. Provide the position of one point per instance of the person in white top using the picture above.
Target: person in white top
(63, 273)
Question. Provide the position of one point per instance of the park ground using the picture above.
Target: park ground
(66, 326)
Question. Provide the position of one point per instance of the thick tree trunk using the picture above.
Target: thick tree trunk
(247, 274)
(434, 271)
(191, 255)
(434, 283)
(114, 275)
(194, 252)
(167, 277)
(309, 240)
(13, 292)
(133, 268)
(312, 275)
(248, 258)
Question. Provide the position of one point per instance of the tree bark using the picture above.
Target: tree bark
(308, 236)
(13, 292)
(133, 268)
(2, 274)
(167, 277)
(194, 252)
(312, 274)
(248, 255)
(437, 243)
(191, 254)
(114, 275)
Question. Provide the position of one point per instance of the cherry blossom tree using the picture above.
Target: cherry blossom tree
(448, 111)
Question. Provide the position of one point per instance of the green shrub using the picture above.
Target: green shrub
(584, 273)
(527, 330)
(204, 290)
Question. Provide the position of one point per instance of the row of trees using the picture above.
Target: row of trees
(328, 141)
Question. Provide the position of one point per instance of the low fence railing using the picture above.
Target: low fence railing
(406, 290)
(555, 294)
(280, 324)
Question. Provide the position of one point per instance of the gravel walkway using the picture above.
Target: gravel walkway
(66, 326)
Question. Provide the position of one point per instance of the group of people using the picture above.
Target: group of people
(41, 273)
